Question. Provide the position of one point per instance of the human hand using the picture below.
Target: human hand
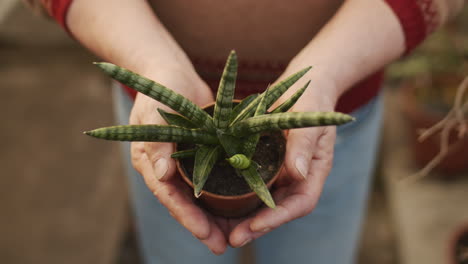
(152, 159)
(308, 161)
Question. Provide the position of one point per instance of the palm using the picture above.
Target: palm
(171, 191)
(294, 198)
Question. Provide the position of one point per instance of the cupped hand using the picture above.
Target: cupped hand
(308, 161)
(152, 159)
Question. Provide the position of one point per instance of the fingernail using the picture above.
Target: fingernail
(196, 236)
(216, 253)
(246, 242)
(160, 168)
(263, 230)
(302, 166)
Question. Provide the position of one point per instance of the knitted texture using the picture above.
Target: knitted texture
(414, 15)
(57, 9)
(418, 18)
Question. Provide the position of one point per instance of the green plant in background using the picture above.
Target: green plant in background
(435, 69)
(232, 133)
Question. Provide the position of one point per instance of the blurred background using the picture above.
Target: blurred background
(63, 196)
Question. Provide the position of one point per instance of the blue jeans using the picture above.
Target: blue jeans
(330, 234)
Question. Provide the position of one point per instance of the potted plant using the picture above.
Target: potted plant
(230, 144)
(433, 98)
(458, 246)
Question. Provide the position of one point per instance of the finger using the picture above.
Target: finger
(224, 224)
(299, 150)
(216, 242)
(242, 234)
(301, 197)
(174, 195)
(182, 208)
(159, 155)
(157, 152)
(293, 207)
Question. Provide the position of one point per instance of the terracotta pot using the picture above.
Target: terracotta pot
(421, 117)
(229, 206)
(453, 250)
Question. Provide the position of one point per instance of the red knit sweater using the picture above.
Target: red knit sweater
(418, 18)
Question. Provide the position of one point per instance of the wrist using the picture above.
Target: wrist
(183, 80)
(322, 93)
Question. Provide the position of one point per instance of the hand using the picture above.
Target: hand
(308, 161)
(153, 161)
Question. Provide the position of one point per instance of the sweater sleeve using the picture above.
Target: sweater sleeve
(57, 9)
(418, 18)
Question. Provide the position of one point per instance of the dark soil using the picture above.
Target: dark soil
(224, 180)
(461, 249)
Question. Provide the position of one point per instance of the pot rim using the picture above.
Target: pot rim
(455, 236)
(227, 197)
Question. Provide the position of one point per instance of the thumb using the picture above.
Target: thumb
(159, 155)
(300, 148)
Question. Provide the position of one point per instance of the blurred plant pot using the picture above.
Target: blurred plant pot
(458, 246)
(241, 204)
(422, 116)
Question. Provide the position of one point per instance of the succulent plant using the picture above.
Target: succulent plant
(232, 133)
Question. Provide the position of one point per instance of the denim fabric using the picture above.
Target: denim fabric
(329, 234)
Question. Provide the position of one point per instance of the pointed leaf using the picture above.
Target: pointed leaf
(256, 183)
(205, 159)
(283, 86)
(176, 120)
(243, 104)
(250, 144)
(154, 133)
(275, 93)
(288, 120)
(183, 154)
(232, 145)
(286, 105)
(223, 106)
(262, 107)
(160, 93)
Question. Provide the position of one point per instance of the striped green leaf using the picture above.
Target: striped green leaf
(183, 154)
(223, 106)
(275, 93)
(283, 86)
(154, 133)
(250, 144)
(286, 105)
(160, 93)
(262, 105)
(205, 159)
(256, 183)
(288, 120)
(176, 120)
(232, 145)
(243, 104)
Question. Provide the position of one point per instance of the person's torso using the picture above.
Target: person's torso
(260, 30)
(266, 34)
